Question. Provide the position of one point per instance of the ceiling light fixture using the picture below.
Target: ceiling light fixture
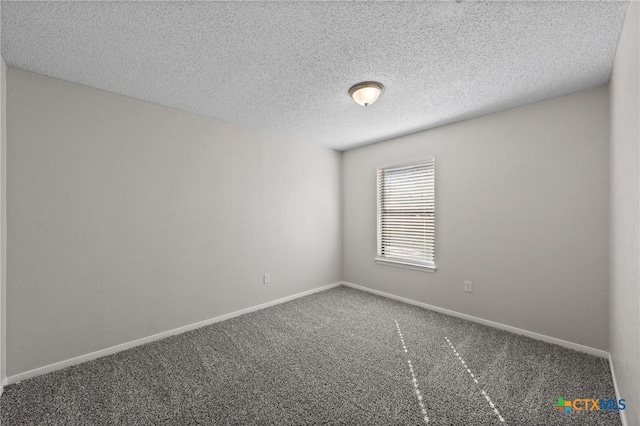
(366, 93)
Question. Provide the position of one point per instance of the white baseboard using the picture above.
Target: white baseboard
(118, 348)
(533, 335)
(623, 418)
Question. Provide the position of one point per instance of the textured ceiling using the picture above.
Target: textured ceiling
(285, 67)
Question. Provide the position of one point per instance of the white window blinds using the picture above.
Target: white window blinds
(406, 215)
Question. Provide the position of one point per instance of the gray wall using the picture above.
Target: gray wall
(126, 219)
(624, 340)
(521, 210)
(3, 222)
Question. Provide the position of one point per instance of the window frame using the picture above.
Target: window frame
(428, 265)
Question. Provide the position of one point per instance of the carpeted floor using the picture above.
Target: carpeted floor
(340, 357)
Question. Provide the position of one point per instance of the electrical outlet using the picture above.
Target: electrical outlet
(266, 279)
(468, 286)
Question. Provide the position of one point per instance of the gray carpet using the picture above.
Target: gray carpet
(335, 357)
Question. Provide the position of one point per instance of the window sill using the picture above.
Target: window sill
(405, 264)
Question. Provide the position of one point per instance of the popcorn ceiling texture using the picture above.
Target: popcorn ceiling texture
(285, 67)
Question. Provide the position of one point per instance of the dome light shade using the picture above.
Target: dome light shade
(366, 93)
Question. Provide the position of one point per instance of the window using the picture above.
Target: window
(406, 216)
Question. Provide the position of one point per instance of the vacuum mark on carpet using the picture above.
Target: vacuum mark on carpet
(464, 364)
(414, 380)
